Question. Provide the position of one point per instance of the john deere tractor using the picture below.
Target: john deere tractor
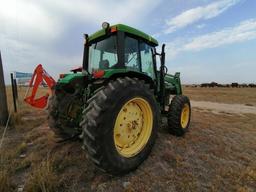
(115, 101)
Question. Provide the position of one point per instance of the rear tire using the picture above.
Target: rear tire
(59, 119)
(53, 117)
(99, 125)
(179, 115)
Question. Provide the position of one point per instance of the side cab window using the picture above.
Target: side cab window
(131, 53)
(147, 65)
(138, 56)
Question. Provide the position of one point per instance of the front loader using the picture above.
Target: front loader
(114, 102)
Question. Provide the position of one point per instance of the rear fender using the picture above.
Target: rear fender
(71, 83)
(134, 74)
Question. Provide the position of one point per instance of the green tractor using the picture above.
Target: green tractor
(115, 101)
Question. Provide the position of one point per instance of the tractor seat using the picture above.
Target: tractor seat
(104, 64)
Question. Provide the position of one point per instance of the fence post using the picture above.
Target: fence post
(16, 88)
(13, 94)
(3, 99)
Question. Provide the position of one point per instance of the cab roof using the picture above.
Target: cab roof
(126, 29)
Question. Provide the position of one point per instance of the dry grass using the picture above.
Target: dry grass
(14, 144)
(222, 95)
(7, 161)
(23, 108)
(5, 184)
(218, 154)
(43, 178)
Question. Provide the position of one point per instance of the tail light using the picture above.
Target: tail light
(98, 74)
(62, 76)
(113, 29)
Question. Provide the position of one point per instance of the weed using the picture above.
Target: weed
(23, 165)
(43, 178)
(21, 148)
(6, 158)
(5, 182)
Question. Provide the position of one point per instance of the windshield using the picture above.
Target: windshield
(103, 54)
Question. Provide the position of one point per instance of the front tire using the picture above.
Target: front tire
(179, 115)
(120, 125)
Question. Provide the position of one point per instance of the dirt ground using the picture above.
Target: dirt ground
(217, 154)
(223, 107)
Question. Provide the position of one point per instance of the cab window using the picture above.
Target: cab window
(131, 51)
(103, 54)
(147, 60)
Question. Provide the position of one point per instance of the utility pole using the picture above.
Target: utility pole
(3, 100)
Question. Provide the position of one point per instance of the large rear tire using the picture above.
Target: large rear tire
(120, 125)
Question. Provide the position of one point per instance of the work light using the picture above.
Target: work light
(105, 25)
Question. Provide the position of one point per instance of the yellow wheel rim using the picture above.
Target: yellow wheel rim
(185, 116)
(133, 127)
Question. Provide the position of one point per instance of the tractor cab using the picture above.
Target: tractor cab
(121, 50)
(119, 47)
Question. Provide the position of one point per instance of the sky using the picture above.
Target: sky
(206, 40)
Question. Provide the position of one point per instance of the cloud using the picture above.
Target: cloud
(44, 31)
(97, 11)
(244, 31)
(45, 21)
(200, 26)
(27, 20)
(198, 14)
